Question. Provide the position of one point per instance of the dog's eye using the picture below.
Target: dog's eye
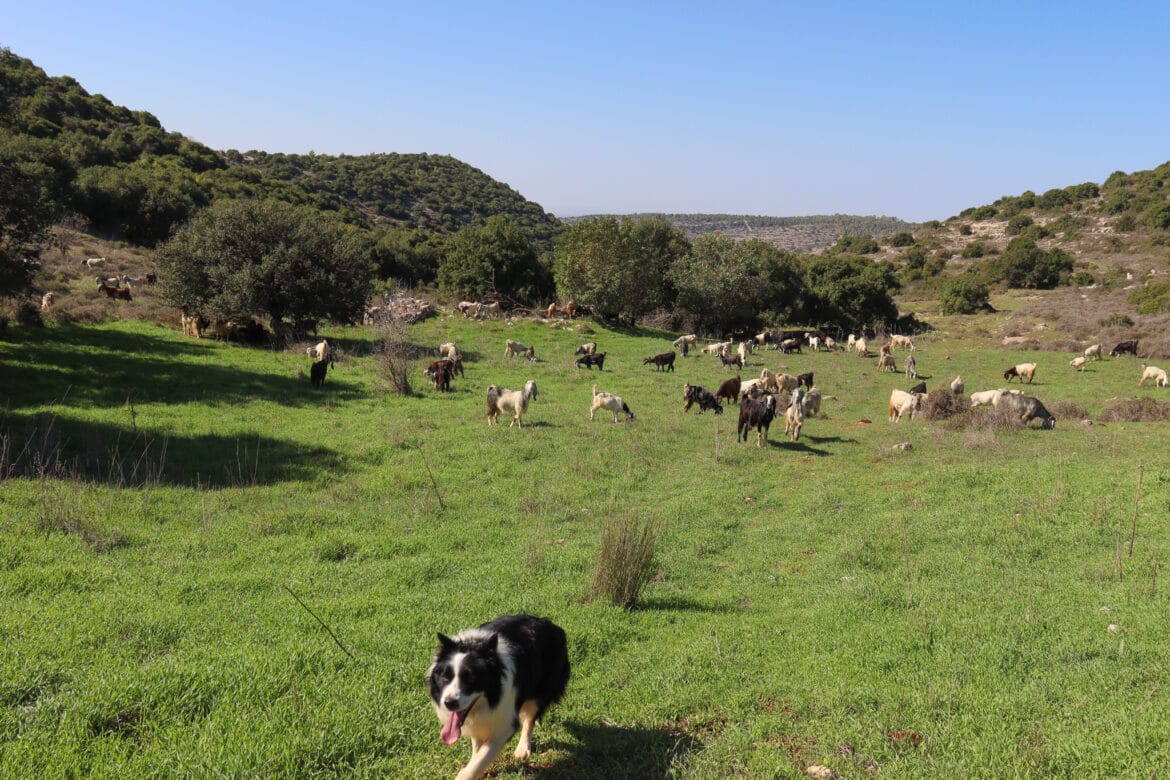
(444, 673)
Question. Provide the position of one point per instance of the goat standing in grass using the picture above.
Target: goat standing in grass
(758, 415)
(513, 401)
(794, 414)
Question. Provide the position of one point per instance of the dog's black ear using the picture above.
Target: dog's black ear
(446, 642)
(491, 642)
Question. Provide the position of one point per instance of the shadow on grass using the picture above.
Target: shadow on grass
(620, 753)
(47, 446)
(677, 604)
(798, 446)
(72, 364)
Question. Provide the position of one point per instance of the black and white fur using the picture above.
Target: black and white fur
(489, 681)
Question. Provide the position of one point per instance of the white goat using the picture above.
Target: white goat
(448, 350)
(613, 403)
(1093, 352)
(794, 414)
(902, 341)
(957, 386)
(1078, 362)
(1155, 373)
(515, 402)
(320, 351)
(810, 402)
(902, 402)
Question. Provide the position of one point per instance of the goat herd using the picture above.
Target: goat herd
(762, 399)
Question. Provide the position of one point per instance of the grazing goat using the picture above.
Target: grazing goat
(93, 262)
(442, 371)
(802, 379)
(47, 300)
(662, 362)
(514, 402)
(515, 348)
(1079, 362)
(850, 342)
(794, 415)
(911, 367)
(609, 401)
(769, 380)
(902, 341)
(730, 360)
(589, 361)
(718, 348)
(108, 281)
(685, 343)
(1093, 352)
(317, 372)
(814, 341)
(861, 347)
(729, 390)
(758, 415)
(152, 278)
(1155, 373)
(788, 382)
(694, 394)
(902, 402)
(957, 386)
(918, 388)
(991, 396)
(886, 363)
(1021, 371)
(589, 348)
(116, 293)
(448, 350)
(1026, 408)
(1129, 346)
(810, 402)
(132, 281)
(466, 308)
(790, 345)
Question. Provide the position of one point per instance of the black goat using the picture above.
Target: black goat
(694, 394)
(589, 361)
(758, 415)
(1129, 346)
(805, 379)
(317, 372)
(663, 361)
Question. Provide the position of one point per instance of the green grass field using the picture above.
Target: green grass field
(968, 607)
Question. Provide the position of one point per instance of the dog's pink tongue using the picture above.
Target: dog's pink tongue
(451, 729)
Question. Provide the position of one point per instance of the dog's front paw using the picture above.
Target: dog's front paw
(522, 752)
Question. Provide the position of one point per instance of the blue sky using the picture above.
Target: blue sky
(914, 110)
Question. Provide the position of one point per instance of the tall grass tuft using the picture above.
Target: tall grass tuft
(626, 559)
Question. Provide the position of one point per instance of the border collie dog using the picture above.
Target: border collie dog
(490, 681)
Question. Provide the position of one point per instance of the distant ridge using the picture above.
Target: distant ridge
(795, 234)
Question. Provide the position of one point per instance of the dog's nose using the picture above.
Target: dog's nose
(451, 704)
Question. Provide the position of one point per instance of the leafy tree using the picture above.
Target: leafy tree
(142, 202)
(407, 254)
(620, 270)
(858, 245)
(1023, 264)
(900, 239)
(1016, 224)
(915, 258)
(31, 186)
(730, 287)
(964, 296)
(851, 291)
(1158, 217)
(238, 259)
(494, 257)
